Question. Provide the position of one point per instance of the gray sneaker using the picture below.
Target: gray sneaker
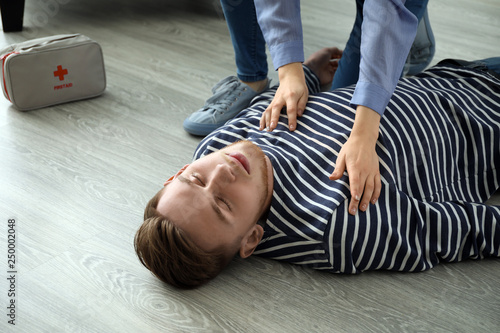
(230, 96)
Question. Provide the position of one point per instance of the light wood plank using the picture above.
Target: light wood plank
(77, 176)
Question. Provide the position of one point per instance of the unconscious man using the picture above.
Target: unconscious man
(249, 191)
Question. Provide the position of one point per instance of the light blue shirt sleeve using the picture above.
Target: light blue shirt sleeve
(387, 33)
(281, 26)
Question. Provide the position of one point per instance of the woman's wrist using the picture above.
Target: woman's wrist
(366, 123)
(292, 69)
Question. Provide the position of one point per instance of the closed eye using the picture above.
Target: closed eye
(198, 179)
(214, 204)
(224, 201)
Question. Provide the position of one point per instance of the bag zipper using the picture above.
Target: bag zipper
(3, 59)
(44, 43)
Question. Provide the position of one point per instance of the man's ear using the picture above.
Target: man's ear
(175, 176)
(251, 240)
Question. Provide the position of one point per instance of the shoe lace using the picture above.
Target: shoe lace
(223, 98)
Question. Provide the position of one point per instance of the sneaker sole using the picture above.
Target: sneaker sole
(199, 129)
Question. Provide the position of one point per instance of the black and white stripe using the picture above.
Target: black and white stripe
(439, 146)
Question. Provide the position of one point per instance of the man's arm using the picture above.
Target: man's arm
(388, 31)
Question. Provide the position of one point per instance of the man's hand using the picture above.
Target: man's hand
(324, 64)
(359, 158)
(292, 93)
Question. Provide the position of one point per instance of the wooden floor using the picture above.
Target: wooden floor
(76, 177)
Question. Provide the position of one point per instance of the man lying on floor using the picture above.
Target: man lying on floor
(269, 193)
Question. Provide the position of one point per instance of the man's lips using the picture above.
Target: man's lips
(240, 159)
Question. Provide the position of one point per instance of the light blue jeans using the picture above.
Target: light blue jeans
(250, 48)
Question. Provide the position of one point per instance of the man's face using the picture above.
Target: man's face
(218, 199)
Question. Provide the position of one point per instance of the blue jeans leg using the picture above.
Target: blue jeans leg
(492, 64)
(417, 7)
(248, 42)
(348, 70)
(424, 45)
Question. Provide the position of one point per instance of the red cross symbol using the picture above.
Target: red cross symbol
(60, 72)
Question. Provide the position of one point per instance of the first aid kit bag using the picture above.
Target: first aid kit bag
(52, 70)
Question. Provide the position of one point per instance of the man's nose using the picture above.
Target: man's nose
(223, 173)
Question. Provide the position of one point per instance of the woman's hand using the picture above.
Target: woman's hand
(292, 93)
(359, 157)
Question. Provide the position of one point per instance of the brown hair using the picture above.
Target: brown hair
(171, 255)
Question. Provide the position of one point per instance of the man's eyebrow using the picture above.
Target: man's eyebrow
(212, 202)
(184, 180)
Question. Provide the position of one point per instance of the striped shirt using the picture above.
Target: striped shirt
(438, 147)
